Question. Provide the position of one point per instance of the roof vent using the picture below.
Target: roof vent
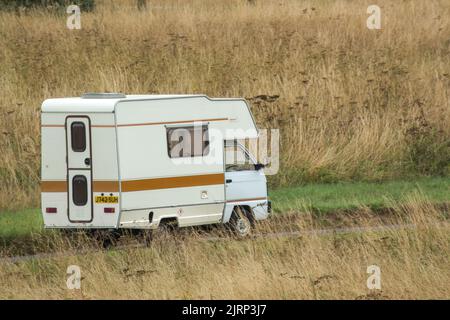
(103, 96)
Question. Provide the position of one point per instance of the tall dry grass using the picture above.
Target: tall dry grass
(413, 263)
(351, 103)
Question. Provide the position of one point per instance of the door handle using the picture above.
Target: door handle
(87, 161)
(228, 181)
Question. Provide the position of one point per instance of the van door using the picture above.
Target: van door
(79, 168)
(243, 182)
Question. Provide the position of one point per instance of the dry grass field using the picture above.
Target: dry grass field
(413, 264)
(351, 103)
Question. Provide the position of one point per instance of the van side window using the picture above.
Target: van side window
(78, 134)
(187, 141)
(236, 159)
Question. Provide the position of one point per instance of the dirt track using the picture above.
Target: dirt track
(270, 229)
(295, 224)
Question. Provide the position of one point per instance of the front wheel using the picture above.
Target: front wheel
(240, 223)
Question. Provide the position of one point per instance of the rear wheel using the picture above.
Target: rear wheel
(167, 228)
(240, 223)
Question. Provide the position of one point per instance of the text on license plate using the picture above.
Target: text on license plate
(106, 199)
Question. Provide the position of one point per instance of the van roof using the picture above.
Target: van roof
(104, 102)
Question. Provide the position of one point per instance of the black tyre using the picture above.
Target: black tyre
(240, 222)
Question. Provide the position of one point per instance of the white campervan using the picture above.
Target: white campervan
(112, 161)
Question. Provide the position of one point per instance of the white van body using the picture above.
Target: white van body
(106, 163)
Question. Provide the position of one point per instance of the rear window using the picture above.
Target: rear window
(79, 190)
(78, 134)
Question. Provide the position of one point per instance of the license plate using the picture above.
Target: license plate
(106, 199)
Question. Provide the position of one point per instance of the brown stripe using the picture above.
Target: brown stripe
(53, 186)
(140, 124)
(62, 126)
(141, 185)
(170, 122)
(105, 186)
(172, 182)
(53, 126)
(98, 186)
(248, 199)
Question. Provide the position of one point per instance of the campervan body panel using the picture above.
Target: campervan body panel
(55, 171)
(124, 167)
(156, 186)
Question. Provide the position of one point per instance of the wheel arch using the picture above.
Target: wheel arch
(168, 220)
(229, 208)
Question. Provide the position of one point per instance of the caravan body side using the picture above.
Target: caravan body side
(129, 161)
(155, 186)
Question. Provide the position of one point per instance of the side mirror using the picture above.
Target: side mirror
(259, 166)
